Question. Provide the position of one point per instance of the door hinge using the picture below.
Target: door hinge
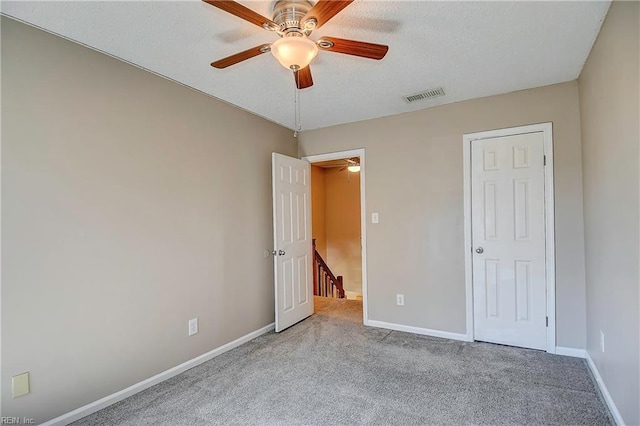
(544, 160)
(547, 321)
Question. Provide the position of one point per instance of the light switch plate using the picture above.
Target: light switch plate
(20, 385)
(193, 326)
(374, 218)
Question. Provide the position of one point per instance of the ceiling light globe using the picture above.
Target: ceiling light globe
(354, 168)
(294, 52)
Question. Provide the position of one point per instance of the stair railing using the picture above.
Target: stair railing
(325, 283)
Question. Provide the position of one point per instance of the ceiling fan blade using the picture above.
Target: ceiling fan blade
(239, 57)
(243, 12)
(325, 10)
(303, 78)
(352, 47)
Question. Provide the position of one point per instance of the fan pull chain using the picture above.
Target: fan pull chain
(296, 104)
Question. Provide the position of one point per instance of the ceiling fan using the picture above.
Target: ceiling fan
(352, 165)
(293, 21)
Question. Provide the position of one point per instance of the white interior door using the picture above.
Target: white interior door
(508, 240)
(292, 240)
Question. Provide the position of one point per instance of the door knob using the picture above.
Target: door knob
(281, 253)
(479, 250)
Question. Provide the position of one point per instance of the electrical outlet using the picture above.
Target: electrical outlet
(193, 326)
(400, 299)
(20, 385)
(602, 341)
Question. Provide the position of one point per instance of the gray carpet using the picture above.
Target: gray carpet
(331, 370)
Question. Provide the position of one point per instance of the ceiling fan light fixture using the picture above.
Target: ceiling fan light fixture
(354, 168)
(294, 52)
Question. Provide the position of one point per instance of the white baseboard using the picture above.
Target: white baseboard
(605, 392)
(151, 381)
(577, 353)
(418, 330)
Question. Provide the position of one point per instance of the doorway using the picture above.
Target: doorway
(338, 218)
(509, 236)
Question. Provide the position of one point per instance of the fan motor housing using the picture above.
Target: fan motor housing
(288, 14)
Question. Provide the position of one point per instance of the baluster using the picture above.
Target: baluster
(324, 285)
(327, 282)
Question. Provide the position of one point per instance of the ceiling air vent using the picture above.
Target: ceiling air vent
(427, 94)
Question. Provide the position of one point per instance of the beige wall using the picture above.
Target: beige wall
(414, 180)
(344, 253)
(318, 210)
(123, 216)
(609, 98)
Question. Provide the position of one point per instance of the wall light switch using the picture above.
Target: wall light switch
(374, 217)
(20, 384)
(193, 326)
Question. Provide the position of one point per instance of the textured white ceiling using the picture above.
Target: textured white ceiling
(471, 49)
